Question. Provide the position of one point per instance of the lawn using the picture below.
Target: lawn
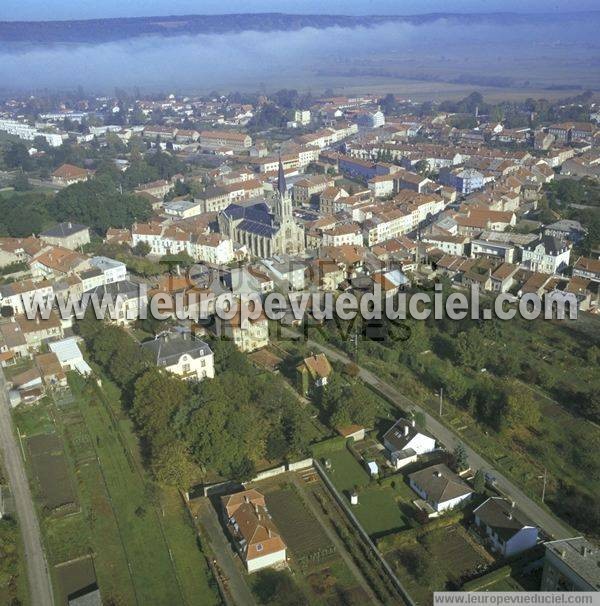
(346, 472)
(378, 512)
(378, 508)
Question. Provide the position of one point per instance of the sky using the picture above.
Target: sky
(39, 10)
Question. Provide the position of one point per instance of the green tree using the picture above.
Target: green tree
(171, 465)
(461, 459)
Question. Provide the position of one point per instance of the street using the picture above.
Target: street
(545, 520)
(40, 586)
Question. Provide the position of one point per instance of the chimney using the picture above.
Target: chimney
(583, 550)
(406, 430)
(438, 474)
(413, 423)
(69, 225)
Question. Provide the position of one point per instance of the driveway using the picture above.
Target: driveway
(226, 558)
(544, 519)
(40, 586)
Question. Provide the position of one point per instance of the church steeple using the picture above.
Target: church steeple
(281, 184)
(283, 202)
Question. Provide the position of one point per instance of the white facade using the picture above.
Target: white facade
(113, 270)
(266, 561)
(541, 261)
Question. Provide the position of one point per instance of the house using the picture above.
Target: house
(19, 295)
(216, 139)
(502, 277)
(38, 330)
(441, 488)
(546, 254)
(181, 354)
(112, 270)
(287, 272)
(247, 334)
(587, 268)
(57, 262)
(51, 370)
(313, 372)
(507, 530)
(12, 344)
(128, 298)
(404, 442)
(69, 355)
(571, 565)
(67, 174)
(254, 533)
(566, 229)
(68, 235)
(390, 282)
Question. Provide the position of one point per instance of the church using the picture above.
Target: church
(265, 233)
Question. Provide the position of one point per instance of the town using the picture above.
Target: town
(239, 462)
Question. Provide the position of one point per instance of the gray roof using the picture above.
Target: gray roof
(552, 245)
(439, 483)
(503, 517)
(124, 287)
(581, 556)
(168, 348)
(63, 230)
(401, 433)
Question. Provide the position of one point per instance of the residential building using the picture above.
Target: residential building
(68, 235)
(253, 531)
(247, 334)
(112, 270)
(439, 487)
(313, 372)
(181, 354)
(547, 255)
(19, 295)
(571, 565)
(67, 174)
(507, 530)
(405, 443)
(129, 299)
(216, 139)
(588, 268)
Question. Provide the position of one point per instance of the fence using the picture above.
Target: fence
(343, 503)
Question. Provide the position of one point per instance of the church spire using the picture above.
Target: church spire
(281, 185)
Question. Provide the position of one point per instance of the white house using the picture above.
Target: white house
(547, 255)
(182, 355)
(113, 270)
(20, 294)
(440, 487)
(128, 300)
(254, 533)
(507, 529)
(405, 442)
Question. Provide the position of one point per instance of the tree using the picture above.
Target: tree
(171, 465)
(141, 249)
(157, 396)
(461, 459)
(521, 407)
(479, 482)
(21, 182)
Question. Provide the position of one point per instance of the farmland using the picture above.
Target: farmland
(122, 515)
(299, 528)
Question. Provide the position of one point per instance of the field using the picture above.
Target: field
(50, 468)
(75, 576)
(124, 517)
(298, 526)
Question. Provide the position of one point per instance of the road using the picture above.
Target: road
(40, 586)
(226, 558)
(545, 520)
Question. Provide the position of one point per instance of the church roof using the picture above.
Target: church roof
(256, 219)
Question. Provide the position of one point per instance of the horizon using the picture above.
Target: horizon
(38, 11)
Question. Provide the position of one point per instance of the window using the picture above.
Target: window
(259, 547)
(186, 368)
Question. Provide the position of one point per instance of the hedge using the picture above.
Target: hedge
(487, 579)
(393, 541)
